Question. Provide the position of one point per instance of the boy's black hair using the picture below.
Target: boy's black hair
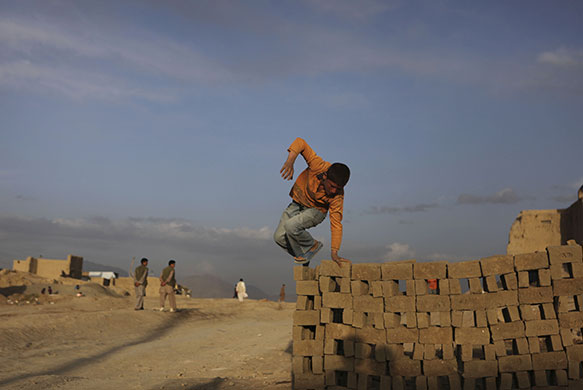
(339, 173)
(143, 260)
(171, 262)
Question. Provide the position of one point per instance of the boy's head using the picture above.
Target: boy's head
(338, 174)
(144, 261)
(172, 263)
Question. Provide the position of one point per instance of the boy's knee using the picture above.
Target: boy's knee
(279, 237)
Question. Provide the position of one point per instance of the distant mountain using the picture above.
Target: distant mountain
(210, 286)
(90, 266)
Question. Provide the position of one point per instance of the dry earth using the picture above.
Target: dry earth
(99, 342)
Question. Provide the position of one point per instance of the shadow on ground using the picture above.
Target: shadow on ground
(158, 332)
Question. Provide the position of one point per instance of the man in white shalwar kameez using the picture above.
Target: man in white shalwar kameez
(241, 290)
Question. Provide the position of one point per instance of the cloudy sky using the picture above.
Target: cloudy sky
(157, 129)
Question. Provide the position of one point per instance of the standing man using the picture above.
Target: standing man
(141, 281)
(167, 283)
(241, 290)
(319, 189)
(282, 293)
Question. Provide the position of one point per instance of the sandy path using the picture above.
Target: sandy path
(101, 343)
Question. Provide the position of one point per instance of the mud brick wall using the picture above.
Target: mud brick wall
(502, 322)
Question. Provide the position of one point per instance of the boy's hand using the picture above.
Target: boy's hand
(339, 260)
(287, 170)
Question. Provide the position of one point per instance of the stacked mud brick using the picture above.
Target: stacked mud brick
(502, 322)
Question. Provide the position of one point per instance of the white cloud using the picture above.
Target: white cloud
(398, 251)
(562, 57)
(505, 196)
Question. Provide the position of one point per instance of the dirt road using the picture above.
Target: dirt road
(102, 343)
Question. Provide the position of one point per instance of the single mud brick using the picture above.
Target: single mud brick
(500, 348)
(435, 318)
(399, 304)
(309, 381)
(455, 381)
(506, 381)
(530, 312)
(421, 383)
(492, 315)
(344, 284)
(433, 270)
(366, 272)
(544, 277)
(566, 337)
(575, 353)
(362, 350)
(317, 302)
(347, 316)
(427, 303)
(398, 383)
(523, 379)
(491, 285)
(307, 287)
(378, 320)
(308, 347)
(302, 273)
(490, 352)
(467, 352)
(531, 295)
(436, 335)
(410, 319)
(523, 279)
(501, 299)
(337, 300)
(480, 369)
(405, 367)
(338, 363)
(385, 382)
(368, 303)
(509, 330)
(306, 317)
(497, 265)
(549, 361)
(448, 351)
(533, 345)
(561, 377)
(380, 353)
(556, 344)
(481, 320)
(565, 254)
(440, 367)
(468, 301)
(402, 335)
(330, 347)
(476, 286)
(302, 302)
(574, 372)
(468, 319)
(455, 287)
(326, 316)
(397, 271)
(568, 287)
(420, 286)
(390, 288)
(371, 335)
(330, 268)
(513, 313)
(531, 261)
(339, 332)
(571, 320)
(348, 348)
(465, 269)
(549, 311)
(577, 269)
(358, 319)
(445, 318)
(522, 346)
(509, 281)
(422, 320)
(392, 320)
(515, 363)
(376, 288)
(358, 287)
(443, 287)
(478, 336)
(326, 284)
(457, 318)
(410, 287)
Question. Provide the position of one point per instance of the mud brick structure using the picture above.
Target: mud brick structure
(72, 266)
(502, 322)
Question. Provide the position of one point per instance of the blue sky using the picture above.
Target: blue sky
(157, 129)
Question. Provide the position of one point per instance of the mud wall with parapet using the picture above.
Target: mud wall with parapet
(502, 322)
(51, 268)
(534, 230)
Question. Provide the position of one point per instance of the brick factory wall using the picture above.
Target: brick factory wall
(502, 322)
(127, 283)
(51, 268)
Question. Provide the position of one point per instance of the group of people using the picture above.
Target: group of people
(167, 284)
(317, 191)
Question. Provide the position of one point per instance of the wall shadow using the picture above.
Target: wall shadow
(8, 291)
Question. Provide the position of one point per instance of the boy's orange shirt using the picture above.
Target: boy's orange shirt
(306, 191)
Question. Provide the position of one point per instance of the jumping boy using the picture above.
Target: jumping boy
(317, 190)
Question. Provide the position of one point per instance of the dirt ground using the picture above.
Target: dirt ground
(99, 341)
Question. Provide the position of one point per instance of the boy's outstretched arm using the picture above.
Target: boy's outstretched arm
(287, 170)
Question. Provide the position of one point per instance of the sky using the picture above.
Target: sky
(158, 129)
